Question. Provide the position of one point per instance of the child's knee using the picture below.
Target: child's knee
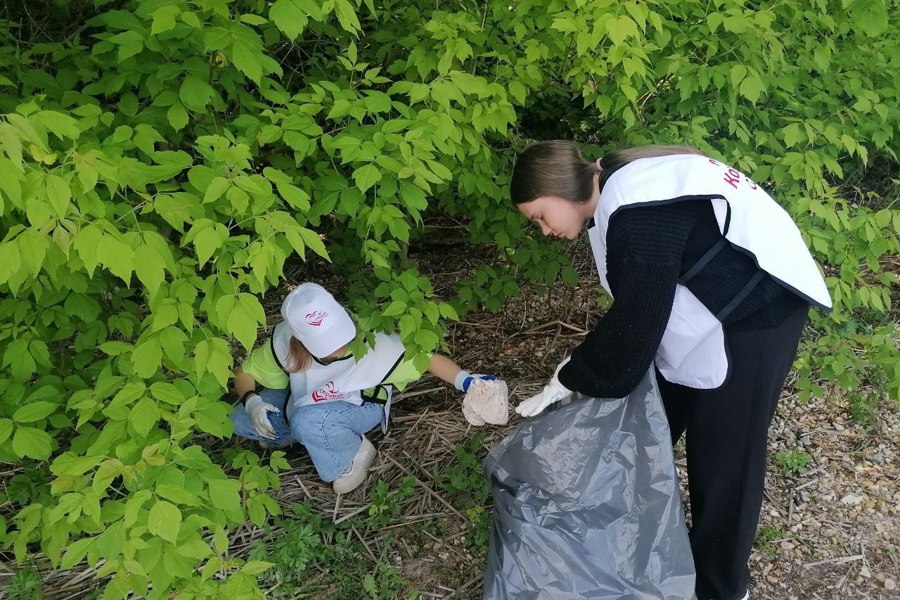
(307, 425)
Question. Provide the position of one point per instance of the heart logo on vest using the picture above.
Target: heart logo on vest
(327, 392)
(316, 317)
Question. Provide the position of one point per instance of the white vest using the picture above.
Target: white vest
(344, 379)
(692, 351)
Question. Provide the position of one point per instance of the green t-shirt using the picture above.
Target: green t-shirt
(262, 366)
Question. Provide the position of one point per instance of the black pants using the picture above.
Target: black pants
(726, 436)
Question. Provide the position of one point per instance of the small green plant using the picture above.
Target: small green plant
(465, 477)
(864, 409)
(297, 545)
(765, 539)
(466, 480)
(793, 462)
(25, 585)
(386, 504)
(478, 527)
(386, 584)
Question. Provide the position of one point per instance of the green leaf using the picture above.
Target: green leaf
(738, 72)
(133, 506)
(164, 19)
(793, 135)
(75, 552)
(147, 357)
(735, 23)
(149, 266)
(9, 261)
(255, 567)
(34, 411)
(517, 90)
(216, 188)
(194, 93)
(87, 244)
(244, 318)
(164, 521)
(870, 16)
(177, 116)
(366, 176)
(117, 257)
(213, 356)
(37, 210)
(59, 124)
(225, 494)
(6, 428)
(33, 442)
(248, 60)
(395, 308)
(448, 312)
(177, 494)
(347, 16)
(144, 415)
(752, 87)
(312, 239)
(208, 240)
(129, 42)
(289, 17)
(166, 392)
(194, 548)
(294, 196)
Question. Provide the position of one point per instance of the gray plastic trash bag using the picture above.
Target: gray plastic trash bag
(586, 505)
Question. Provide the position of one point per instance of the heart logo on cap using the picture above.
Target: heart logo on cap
(316, 317)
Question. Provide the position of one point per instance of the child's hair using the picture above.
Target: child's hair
(556, 168)
(298, 357)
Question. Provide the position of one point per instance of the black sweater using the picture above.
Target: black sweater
(648, 249)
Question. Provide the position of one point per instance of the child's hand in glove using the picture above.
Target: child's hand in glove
(552, 392)
(259, 416)
(464, 379)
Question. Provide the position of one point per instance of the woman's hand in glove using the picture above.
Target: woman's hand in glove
(259, 416)
(552, 392)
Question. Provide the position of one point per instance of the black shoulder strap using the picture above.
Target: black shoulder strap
(275, 353)
(704, 260)
(739, 297)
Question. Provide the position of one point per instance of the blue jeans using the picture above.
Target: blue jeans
(331, 432)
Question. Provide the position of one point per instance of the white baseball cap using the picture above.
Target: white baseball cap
(317, 320)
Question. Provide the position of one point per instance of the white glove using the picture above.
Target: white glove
(552, 392)
(258, 411)
(464, 379)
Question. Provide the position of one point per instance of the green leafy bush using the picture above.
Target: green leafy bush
(162, 160)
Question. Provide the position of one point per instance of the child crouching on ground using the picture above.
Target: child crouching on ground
(304, 386)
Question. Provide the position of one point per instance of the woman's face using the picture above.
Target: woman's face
(557, 217)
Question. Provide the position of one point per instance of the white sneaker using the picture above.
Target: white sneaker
(359, 468)
(746, 596)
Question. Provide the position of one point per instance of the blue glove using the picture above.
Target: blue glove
(464, 379)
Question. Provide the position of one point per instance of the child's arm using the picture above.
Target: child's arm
(444, 368)
(242, 382)
(244, 385)
(259, 369)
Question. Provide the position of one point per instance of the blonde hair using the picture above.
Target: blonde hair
(298, 357)
(556, 168)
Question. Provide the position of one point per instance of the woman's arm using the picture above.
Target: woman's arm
(645, 247)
